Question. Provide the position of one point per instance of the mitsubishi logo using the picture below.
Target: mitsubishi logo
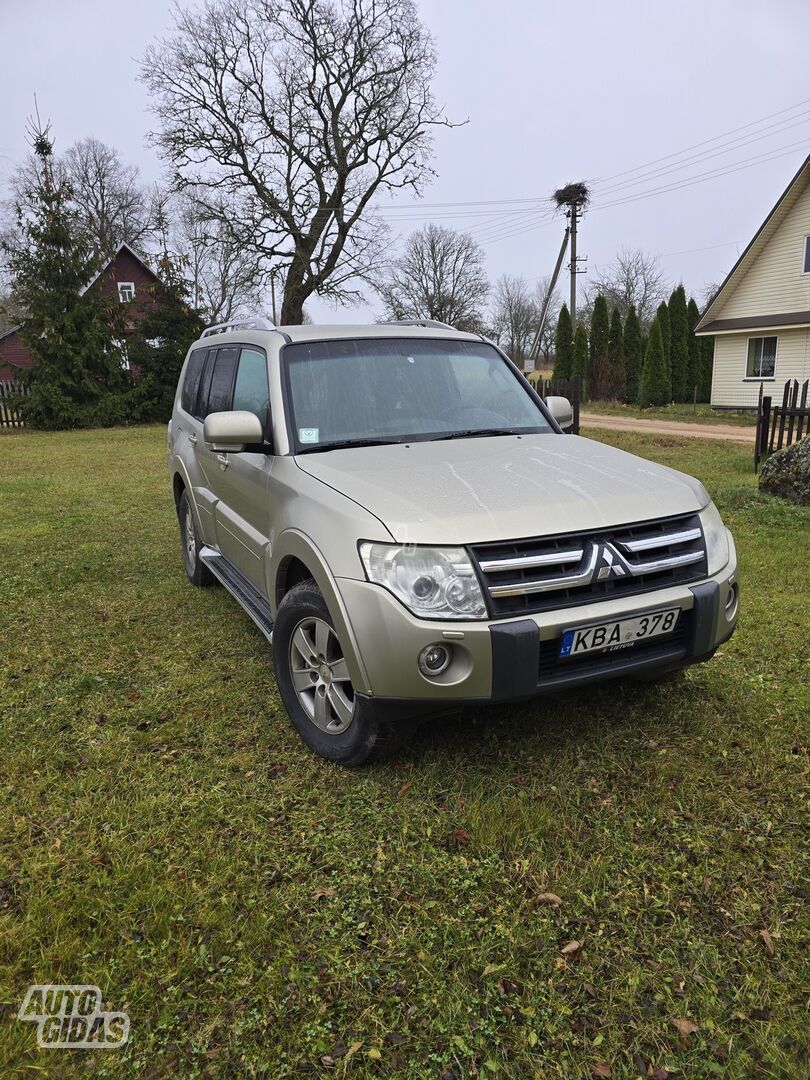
(609, 563)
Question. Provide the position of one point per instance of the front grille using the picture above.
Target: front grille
(552, 669)
(550, 572)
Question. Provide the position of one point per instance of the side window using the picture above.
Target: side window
(761, 358)
(221, 385)
(250, 391)
(191, 380)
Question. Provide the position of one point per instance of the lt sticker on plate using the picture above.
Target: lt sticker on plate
(308, 434)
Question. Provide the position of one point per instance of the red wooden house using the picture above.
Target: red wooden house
(125, 275)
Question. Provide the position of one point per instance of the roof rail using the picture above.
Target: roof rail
(250, 322)
(433, 323)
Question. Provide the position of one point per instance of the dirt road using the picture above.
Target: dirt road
(669, 427)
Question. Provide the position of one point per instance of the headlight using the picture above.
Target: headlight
(435, 583)
(716, 538)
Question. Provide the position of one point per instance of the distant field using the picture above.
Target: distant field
(261, 913)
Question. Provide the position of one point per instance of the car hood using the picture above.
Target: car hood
(466, 491)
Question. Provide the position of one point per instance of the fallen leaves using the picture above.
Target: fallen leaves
(458, 838)
(571, 948)
(767, 941)
(685, 1027)
(601, 1071)
(547, 899)
(319, 894)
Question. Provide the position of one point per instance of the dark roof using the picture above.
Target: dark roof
(11, 330)
(108, 264)
(702, 326)
(755, 322)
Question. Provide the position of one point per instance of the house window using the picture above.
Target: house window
(126, 291)
(761, 358)
(806, 263)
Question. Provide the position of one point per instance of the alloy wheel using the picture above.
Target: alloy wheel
(320, 676)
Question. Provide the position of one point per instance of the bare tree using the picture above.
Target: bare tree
(634, 277)
(294, 114)
(225, 279)
(513, 317)
(439, 276)
(112, 203)
(106, 195)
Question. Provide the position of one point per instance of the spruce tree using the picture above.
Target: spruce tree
(71, 334)
(662, 314)
(158, 347)
(633, 354)
(598, 361)
(655, 387)
(563, 345)
(695, 353)
(580, 361)
(616, 355)
(682, 390)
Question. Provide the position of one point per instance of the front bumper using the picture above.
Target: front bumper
(512, 659)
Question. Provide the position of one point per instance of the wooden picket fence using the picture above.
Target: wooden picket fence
(567, 388)
(781, 425)
(9, 416)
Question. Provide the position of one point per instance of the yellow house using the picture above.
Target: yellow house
(760, 316)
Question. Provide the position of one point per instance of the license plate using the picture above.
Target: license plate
(618, 635)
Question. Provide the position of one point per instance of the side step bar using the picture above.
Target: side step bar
(245, 593)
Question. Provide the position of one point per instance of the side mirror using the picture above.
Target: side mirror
(562, 411)
(232, 431)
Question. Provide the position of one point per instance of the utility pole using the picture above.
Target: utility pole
(552, 285)
(574, 198)
(574, 217)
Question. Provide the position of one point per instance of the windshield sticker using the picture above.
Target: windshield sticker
(308, 434)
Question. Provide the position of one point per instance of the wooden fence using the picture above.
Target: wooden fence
(567, 388)
(9, 416)
(781, 425)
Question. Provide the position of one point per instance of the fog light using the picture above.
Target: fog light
(732, 600)
(434, 659)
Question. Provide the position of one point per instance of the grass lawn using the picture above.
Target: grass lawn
(259, 912)
(694, 414)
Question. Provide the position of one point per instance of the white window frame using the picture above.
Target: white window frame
(126, 285)
(760, 378)
(806, 255)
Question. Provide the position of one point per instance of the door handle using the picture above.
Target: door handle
(192, 438)
(224, 461)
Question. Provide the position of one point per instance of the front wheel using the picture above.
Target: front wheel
(316, 689)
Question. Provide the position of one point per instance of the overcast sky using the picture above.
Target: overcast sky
(552, 93)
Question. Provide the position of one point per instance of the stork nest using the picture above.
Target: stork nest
(572, 193)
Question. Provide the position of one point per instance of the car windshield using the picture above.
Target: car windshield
(378, 390)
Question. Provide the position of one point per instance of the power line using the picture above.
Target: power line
(702, 178)
(725, 148)
(695, 146)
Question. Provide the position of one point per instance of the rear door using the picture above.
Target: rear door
(240, 481)
(188, 432)
(216, 388)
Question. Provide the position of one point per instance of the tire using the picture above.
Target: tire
(316, 690)
(196, 571)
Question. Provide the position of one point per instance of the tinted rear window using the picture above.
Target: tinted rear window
(191, 381)
(221, 388)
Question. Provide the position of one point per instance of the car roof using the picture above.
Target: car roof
(334, 332)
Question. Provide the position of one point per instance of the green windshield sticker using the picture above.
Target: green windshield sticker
(308, 434)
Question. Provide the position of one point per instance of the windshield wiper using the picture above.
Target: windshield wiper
(345, 444)
(473, 433)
